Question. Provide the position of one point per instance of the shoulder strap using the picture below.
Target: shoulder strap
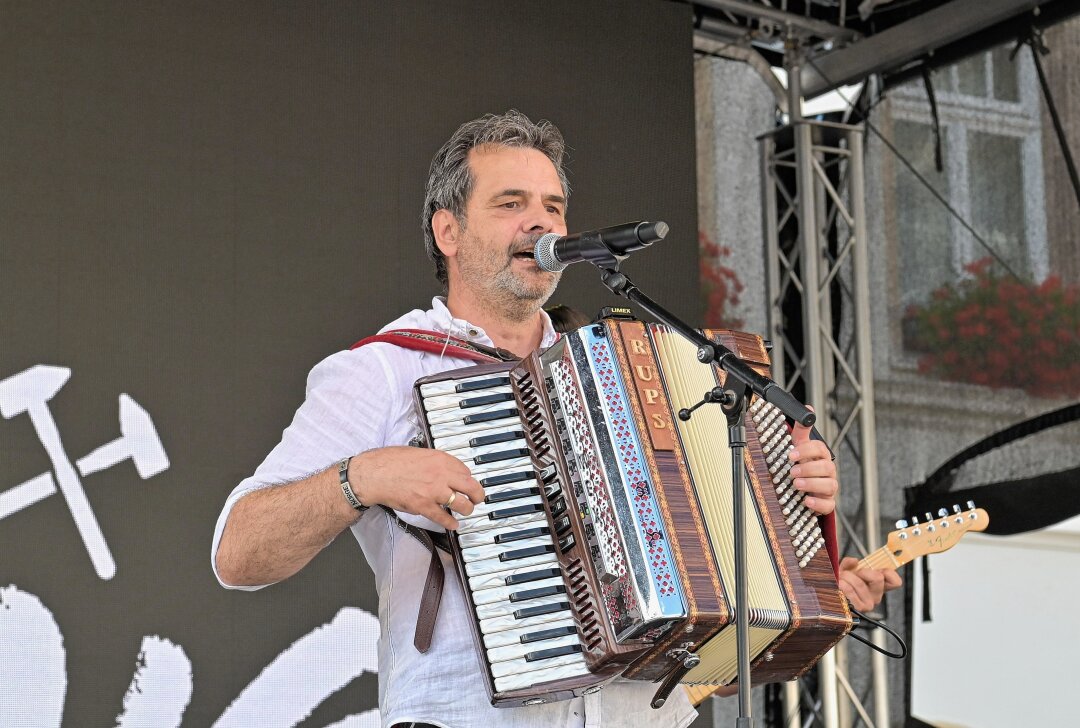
(433, 585)
(436, 343)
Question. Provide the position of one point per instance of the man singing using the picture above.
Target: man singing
(494, 188)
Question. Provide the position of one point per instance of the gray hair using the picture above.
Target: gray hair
(450, 179)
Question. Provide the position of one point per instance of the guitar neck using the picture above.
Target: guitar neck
(883, 559)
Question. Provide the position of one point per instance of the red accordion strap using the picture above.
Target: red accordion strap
(436, 343)
(828, 532)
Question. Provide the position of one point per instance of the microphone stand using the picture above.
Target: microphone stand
(733, 398)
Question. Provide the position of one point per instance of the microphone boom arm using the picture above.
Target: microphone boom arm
(707, 351)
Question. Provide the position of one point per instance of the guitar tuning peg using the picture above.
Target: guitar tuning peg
(971, 505)
(942, 512)
(928, 516)
(915, 520)
(956, 508)
(902, 523)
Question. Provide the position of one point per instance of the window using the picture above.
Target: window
(988, 108)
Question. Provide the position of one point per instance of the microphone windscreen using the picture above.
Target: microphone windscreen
(544, 253)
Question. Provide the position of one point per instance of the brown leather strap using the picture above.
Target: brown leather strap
(433, 586)
(670, 683)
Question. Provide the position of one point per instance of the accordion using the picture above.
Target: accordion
(604, 547)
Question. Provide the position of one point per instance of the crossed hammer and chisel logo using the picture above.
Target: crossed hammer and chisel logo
(29, 391)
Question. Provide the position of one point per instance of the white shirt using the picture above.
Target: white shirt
(362, 399)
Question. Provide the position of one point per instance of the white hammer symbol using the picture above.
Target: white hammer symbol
(29, 391)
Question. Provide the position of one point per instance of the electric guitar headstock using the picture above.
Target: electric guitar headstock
(933, 535)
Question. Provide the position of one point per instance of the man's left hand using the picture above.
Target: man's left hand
(865, 587)
(814, 471)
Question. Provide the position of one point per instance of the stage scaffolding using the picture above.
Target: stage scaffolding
(819, 321)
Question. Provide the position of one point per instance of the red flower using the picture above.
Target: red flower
(999, 332)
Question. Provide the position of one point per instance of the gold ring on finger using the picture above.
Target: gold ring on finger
(453, 495)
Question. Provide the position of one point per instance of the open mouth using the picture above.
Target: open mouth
(524, 255)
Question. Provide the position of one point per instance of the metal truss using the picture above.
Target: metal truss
(819, 320)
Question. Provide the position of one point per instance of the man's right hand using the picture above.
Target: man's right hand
(416, 480)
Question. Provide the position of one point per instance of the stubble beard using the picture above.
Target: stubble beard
(517, 297)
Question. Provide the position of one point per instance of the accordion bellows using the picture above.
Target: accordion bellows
(605, 545)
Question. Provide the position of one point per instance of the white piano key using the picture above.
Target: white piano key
(507, 608)
(447, 386)
(478, 538)
(498, 478)
(484, 469)
(506, 622)
(489, 551)
(484, 523)
(454, 399)
(440, 417)
(480, 430)
(498, 578)
(527, 482)
(502, 593)
(520, 666)
(488, 566)
(513, 636)
(469, 453)
(538, 677)
(456, 427)
(519, 650)
(480, 520)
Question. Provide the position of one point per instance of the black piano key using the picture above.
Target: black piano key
(553, 652)
(498, 437)
(548, 634)
(541, 610)
(489, 416)
(511, 536)
(508, 495)
(486, 399)
(528, 576)
(548, 548)
(516, 511)
(494, 457)
(544, 591)
(508, 478)
(481, 384)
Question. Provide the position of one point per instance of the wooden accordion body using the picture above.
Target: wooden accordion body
(605, 548)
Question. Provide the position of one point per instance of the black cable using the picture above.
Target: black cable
(939, 165)
(1038, 47)
(899, 640)
(925, 182)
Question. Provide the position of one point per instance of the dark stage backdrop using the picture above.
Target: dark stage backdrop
(198, 202)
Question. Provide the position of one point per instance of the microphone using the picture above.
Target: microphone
(554, 252)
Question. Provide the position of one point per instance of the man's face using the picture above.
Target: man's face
(516, 197)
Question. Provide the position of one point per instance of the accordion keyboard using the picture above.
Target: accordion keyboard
(509, 548)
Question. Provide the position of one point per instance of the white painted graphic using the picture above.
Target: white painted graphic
(33, 674)
(161, 688)
(29, 391)
(33, 678)
(303, 676)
